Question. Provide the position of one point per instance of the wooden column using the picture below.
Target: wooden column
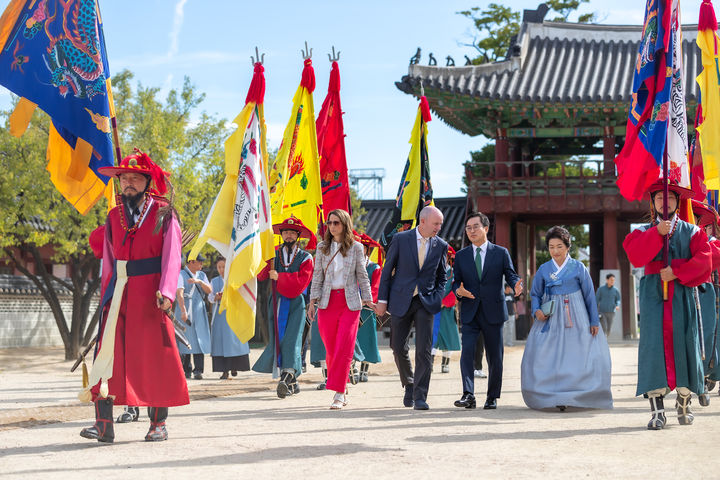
(627, 295)
(596, 252)
(502, 153)
(610, 241)
(609, 152)
(502, 230)
(531, 251)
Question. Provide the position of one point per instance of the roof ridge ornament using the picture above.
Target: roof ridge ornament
(537, 15)
(415, 59)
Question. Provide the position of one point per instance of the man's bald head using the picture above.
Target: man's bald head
(431, 220)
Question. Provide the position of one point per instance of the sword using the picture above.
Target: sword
(82, 355)
(179, 327)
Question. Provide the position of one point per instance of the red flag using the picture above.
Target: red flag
(331, 145)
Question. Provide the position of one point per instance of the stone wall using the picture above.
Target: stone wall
(27, 321)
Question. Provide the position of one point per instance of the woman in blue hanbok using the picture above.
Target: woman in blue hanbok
(229, 354)
(565, 363)
(192, 283)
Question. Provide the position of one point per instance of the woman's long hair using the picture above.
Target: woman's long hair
(348, 235)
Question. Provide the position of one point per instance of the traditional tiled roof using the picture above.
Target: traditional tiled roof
(21, 285)
(550, 63)
(379, 213)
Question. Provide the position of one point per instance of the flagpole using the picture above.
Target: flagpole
(666, 241)
(113, 123)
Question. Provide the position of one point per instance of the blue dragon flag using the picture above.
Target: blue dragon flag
(52, 55)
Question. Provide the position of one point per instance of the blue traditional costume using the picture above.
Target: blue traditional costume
(198, 330)
(563, 363)
(286, 309)
(669, 349)
(229, 354)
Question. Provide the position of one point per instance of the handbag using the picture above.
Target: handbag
(548, 308)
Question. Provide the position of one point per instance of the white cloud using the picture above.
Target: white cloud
(177, 26)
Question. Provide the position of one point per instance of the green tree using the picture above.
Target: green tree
(358, 212)
(565, 7)
(496, 25)
(191, 150)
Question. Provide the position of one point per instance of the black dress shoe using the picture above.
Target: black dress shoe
(490, 403)
(467, 401)
(421, 405)
(408, 398)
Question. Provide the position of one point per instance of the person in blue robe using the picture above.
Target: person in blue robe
(193, 285)
(565, 363)
(229, 354)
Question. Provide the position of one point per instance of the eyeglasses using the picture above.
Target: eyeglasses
(471, 228)
(333, 223)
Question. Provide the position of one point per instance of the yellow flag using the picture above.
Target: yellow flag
(239, 225)
(709, 129)
(295, 177)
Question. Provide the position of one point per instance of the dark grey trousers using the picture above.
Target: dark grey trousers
(400, 343)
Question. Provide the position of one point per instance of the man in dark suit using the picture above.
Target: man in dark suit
(478, 282)
(412, 287)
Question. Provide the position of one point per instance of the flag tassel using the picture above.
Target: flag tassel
(707, 20)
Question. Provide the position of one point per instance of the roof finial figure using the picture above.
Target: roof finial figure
(415, 59)
(432, 61)
(467, 60)
(450, 61)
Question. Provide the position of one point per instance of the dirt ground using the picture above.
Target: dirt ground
(239, 426)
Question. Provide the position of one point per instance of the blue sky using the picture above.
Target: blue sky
(211, 41)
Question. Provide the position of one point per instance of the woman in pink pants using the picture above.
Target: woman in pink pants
(339, 281)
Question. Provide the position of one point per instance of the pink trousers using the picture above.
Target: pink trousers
(338, 328)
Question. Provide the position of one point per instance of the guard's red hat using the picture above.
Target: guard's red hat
(673, 186)
(706, 215)
(140, 162)
(294, 223)
(451, 252)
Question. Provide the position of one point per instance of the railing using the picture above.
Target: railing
(540, 178)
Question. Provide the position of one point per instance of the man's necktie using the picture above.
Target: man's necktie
(421, 251)
(478, 263)
(421, 257)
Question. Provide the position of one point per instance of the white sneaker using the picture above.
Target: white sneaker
(480, 374)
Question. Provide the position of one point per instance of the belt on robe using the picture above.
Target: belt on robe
(655, 266)
(102, 368)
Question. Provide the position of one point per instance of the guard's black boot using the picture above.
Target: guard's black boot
(284, 387)
(445, 365)
(682, 404)
(322, 385)
(354, 373)
(710, 384)
(704, 398)
(658, 420)
(364, 366)
(103, 430)
(294, 384)
(157, 432)
(130, 414)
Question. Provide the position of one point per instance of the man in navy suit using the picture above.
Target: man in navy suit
(478, 282)
(412, 287)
